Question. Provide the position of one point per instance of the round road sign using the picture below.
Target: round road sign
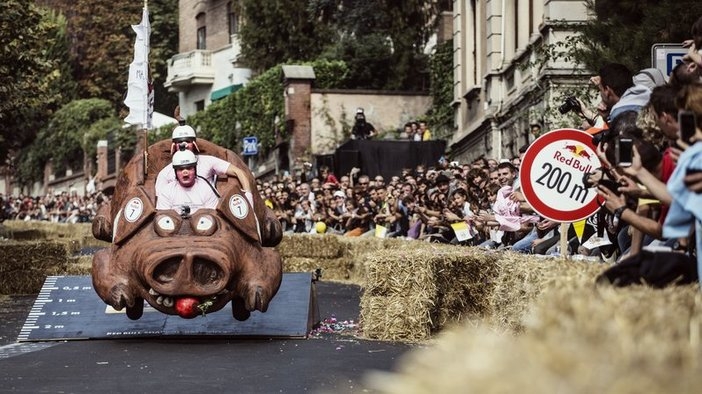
(551, 175)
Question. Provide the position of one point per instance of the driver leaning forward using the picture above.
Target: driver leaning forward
(190, 192)
(208, 167)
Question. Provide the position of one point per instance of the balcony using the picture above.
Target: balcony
(190, 68)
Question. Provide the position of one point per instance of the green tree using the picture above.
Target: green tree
(623, 31)
(103, 46)
(67, 138)
(33, 78)
(441, 115)
(281, 31)
(381, 41)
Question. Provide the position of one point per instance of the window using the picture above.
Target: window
(199, 105)
(201, 31)
(233, 20)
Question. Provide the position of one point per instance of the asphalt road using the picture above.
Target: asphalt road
(334, 359)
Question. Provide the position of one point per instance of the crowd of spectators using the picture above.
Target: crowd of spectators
(650, 200)
(449, 203)
(57, 207)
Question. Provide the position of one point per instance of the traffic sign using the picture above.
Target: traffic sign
(250, 146)
(551, 175)
(666, 56)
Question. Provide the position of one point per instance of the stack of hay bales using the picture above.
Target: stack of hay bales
(412, 292)
(309, 252)
(341, 259)
(24, 265)
(40, 249)
(80, 234)
(520, 279)
(576, 338)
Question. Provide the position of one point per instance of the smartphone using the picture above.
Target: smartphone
(624, 152)
(687, 123)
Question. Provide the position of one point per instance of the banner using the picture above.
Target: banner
(139, 93)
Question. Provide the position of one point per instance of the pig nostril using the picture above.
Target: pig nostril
(206, 272)
(166, 271)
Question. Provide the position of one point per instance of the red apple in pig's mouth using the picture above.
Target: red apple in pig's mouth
(187, 307)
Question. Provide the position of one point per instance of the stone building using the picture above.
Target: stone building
(507, 89)
(207, 66)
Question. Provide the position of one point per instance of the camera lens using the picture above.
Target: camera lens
(564, 108)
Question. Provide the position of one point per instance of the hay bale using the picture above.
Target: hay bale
(91, 242)
(310, 245)
(520, 279)
(435, 284)
(396, 318)
(25, 265)
(50, 230)
(332, 269)
(579, 339)
(27, 234)
(465, 281)
(80, 265)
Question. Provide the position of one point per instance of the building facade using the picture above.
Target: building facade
(207, 66)
(507, 86)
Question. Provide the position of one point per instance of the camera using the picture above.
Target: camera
(570, 104)
(602, 136)
(687, 123)
(183, 145)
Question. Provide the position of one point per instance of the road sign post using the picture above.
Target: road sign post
(250, 146)
(551, 175)
(666, 56)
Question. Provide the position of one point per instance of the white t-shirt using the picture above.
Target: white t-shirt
(207, 167)
(175, 196)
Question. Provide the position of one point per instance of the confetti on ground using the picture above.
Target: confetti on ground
(332, 326)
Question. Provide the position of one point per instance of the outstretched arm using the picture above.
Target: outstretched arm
(244, 179)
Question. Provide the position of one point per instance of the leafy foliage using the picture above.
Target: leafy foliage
(34, 81)
(281, 31)
(258, 108)
(624, 30)
(381, 41)
(102, 46)
(441, 115)
(65, 139)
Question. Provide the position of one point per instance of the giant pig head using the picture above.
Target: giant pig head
(182, 263)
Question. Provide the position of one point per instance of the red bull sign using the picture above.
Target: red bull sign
(551, 175)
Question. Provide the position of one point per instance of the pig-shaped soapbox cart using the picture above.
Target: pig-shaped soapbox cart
(180, 263)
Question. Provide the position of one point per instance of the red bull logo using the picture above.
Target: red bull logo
(577, 153)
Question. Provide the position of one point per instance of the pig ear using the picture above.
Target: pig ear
(173, 148)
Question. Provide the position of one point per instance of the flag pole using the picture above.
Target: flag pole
(139, 89)
(143, 134)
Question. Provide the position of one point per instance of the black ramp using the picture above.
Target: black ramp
(68, 308)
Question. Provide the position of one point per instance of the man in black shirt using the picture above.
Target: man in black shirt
(362, 130)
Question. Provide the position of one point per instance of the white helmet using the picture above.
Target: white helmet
(183, 132)
(183, 158)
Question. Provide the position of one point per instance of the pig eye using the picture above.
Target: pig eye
(204, 225)
(165, 225)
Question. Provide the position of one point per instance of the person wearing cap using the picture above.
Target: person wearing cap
(190, 192)
(362, 130)
(208, 167)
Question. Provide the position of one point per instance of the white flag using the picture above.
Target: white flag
(139, 99)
